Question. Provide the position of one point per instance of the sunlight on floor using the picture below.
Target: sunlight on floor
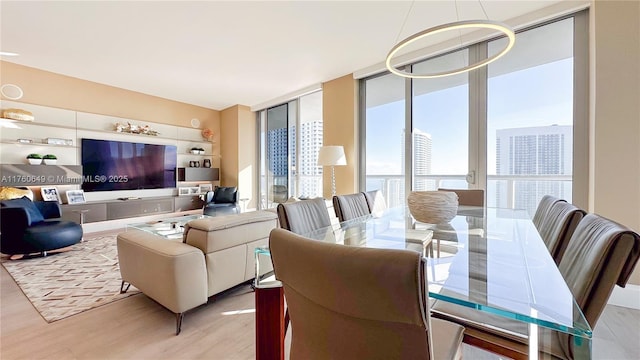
(239, 312)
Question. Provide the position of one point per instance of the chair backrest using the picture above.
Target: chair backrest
(303, 216)
(375, 201)
(543, 209)
(352, 303)
(470, 197)
(600, 254)
(350, 206)
(225, 194)
(558, 227)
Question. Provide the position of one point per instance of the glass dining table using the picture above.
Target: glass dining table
(488, 259)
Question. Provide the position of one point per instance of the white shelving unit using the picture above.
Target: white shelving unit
(68, 124)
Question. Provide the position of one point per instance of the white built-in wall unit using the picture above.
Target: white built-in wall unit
(20, 138)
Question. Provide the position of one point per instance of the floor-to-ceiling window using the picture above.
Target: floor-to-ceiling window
(385, 137)
(440, 121)
(506, 128)
(530, 118)
(290, 138)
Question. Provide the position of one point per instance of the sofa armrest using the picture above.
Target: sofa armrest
(49, 209)
(14, 220)
(170, 272)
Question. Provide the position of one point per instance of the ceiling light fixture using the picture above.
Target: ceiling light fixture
(6, 53)
(458, 25)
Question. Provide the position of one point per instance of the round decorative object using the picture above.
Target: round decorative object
(195, 123)
(484, 24)
(207, 134)
(433, 207)
(11, 91)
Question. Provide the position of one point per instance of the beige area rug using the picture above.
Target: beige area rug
(69, 283)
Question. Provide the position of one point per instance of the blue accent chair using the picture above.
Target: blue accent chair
(222, 200)
(34, 227)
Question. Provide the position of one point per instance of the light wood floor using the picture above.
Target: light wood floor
(139, 328)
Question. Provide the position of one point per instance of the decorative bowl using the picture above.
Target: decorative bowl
(35, 161)
(433, 207)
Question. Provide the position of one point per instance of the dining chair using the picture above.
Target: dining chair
(375, 201)
(469, 197)
(304, 216)
(350, 206)
(358, 303)
(600, 254)
(543, 209)
(558, 226)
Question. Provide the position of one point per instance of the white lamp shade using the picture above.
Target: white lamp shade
(331, 155)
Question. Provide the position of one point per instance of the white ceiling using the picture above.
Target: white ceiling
(218, 54)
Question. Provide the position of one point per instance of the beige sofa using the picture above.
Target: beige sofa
(215, 255)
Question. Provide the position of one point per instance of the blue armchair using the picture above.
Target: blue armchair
(222, 200)
(34, 227)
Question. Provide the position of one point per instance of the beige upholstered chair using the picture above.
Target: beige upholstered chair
(558, 226)
(351, 206)
(543, 209)
(470, 197)
(600, 254)
(358, 303)
(304, 216)
(375, 201)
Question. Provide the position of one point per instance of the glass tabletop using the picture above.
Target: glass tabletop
(490, 259)
(169, 228)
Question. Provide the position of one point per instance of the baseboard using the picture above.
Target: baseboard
(628, 297)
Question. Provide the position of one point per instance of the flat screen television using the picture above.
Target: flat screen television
(117, 165)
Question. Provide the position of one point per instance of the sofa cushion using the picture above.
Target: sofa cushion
(24, 202)
(229, 221)
(223, 232)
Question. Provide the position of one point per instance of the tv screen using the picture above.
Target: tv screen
(118, 165)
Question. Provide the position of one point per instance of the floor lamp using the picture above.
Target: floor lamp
(332, 156)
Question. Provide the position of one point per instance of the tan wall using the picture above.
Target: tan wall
(229, 147)
(55, 90)
(239, 163)
(247, 156)
(340, 117)
(615, 96)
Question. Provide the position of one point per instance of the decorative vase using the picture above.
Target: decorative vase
(433, 207)
(35, 161)
(50, 161)
(206, 163)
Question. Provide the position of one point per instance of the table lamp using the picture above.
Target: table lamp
(332, 156)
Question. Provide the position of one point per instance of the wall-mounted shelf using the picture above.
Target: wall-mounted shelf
(198, 174)
(37, 144)
(41, 124)
(190, 154)
(38, 175)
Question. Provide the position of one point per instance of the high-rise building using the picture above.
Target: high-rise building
(308, 172)
(422, 160)
(421, 166)
(541, 151)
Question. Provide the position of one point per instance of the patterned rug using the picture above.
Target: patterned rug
(69, 283)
